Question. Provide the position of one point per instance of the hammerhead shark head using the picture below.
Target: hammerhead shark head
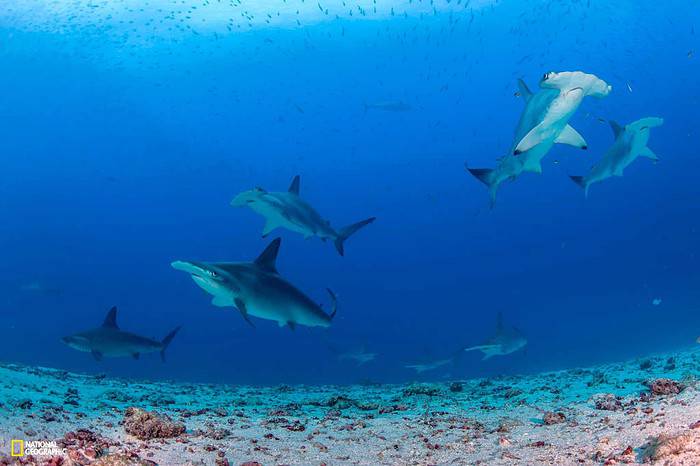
(256, 289)
(506, 340)
(290, 211)
(630, 142)
(109, 340)
(538, 110)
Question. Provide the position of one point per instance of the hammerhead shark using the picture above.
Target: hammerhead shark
(109, 340)
(506, 340)
(256, 289)
(429, 366)
(290, 211)
(360, 356)
(630, 142)
(539, 109)
(571, 87)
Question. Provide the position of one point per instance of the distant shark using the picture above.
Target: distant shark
(39, 288)
(572, 87)
(108, 340)
(630, 143)
(256, 289)
(504, 341)
(538, 109)
(360, 356)
(290, 211)
(430, 365)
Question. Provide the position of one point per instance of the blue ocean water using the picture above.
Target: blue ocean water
(127, 128)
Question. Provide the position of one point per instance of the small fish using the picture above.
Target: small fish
(629, 87)
(397, 106)
(656, 301)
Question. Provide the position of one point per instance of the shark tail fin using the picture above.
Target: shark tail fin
(484, 175)
(581, 181)
(334, 304)
(166, 342)
(348, 231)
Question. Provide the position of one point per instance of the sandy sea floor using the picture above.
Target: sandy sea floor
(640, 411)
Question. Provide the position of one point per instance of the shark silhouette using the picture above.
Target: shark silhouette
(505, 340)
(110, 341)
(288, 210)
(257, 289)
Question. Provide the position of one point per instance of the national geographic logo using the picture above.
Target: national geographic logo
(17, 448)
(20, 448)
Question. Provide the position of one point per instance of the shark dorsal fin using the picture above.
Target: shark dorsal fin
(111, 318)
(266, 260)
(499, 322)
(524, 90)
(616, 128)
(294, 187)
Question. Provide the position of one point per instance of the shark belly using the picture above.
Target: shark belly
(283, 310)
(532, 159)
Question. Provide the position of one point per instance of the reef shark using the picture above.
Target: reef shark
(630, 142)
(540, 108)
(506, 340)
(256, 289)
(109, 340)
(288, 210)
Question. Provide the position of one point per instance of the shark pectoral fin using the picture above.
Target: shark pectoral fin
(269, 226)
(648, 153)
(135, 355)
(220, 301)
(531, 139)
(292, 325)
(533, 166)
(487, 356)
(244, 311)
(571, 137)
(97, 355)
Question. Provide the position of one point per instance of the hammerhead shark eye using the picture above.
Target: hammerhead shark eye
(213, 274)
(546, 76)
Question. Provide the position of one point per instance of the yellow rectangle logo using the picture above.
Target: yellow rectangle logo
(17, 448)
